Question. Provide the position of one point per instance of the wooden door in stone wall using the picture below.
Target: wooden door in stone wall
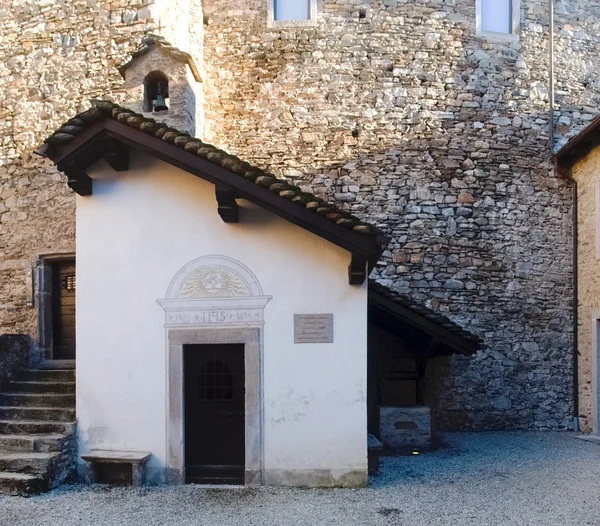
(63, 310)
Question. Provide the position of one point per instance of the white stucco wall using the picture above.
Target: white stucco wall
(134, 234)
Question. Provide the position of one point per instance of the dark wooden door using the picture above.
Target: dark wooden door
(215, 393)
(63, 310)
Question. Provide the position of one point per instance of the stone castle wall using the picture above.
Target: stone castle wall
(394, 109)
(54, 57)
(398, 111)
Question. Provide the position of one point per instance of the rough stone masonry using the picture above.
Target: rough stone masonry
(394, 109)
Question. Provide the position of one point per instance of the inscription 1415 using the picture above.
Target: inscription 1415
(213, 316)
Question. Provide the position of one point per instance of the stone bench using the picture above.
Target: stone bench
(97, 458)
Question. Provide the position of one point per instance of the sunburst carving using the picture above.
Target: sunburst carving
(214, 282)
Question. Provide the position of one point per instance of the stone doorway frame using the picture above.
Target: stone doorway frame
(214, 300)
(251, 339)
(42, 299)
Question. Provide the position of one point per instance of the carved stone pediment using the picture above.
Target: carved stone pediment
(213, 291)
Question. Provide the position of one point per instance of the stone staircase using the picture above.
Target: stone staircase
(37, 429)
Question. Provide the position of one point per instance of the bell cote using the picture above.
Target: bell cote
(164, 83)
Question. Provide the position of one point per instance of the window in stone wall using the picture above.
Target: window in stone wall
(291, 13)
(498, 18)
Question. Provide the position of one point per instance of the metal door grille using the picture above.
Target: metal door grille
(215, 382)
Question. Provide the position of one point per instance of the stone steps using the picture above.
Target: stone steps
(41, 375)
(22, 483)
(37, 426)
(29, 463)
(31, 443)
(37, 400)
(56, 414)
(57, 364)
(41, 387)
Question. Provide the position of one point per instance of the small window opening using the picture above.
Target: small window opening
(156, 92)
(362, 13)
(292, 10)
(497, 16)
(215, 382)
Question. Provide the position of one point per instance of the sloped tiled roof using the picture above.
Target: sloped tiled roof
(406, 310)
(103, 109)
(577, 148)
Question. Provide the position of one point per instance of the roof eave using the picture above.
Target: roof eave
(458, 344)
(577, 148)
(86, 148)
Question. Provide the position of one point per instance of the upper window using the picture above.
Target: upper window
(291, 13)
(498, 17)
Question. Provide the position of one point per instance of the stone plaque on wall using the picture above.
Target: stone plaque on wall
(313, 328)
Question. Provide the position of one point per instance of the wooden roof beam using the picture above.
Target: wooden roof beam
(78, 180)
(117, 156)
(227, 206)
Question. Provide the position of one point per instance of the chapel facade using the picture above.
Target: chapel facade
(415, 117)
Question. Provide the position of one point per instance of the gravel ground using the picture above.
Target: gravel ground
(479, 479)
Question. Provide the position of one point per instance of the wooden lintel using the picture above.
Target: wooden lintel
(357, 270)
(117, 156)
(79, 181)
(227, 207)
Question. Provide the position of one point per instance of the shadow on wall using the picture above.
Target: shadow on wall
(14, 355)
(446, 149)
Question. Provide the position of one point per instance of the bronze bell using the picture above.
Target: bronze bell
(162, 92)
(160, 104)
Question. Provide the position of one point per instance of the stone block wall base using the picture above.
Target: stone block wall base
(317, 478)
(309, 478)
(405, 427)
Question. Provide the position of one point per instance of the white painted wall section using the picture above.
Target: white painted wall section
(134, 234)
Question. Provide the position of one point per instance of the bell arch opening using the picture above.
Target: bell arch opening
(156, 92)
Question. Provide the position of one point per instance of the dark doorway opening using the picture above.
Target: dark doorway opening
(63, 310)
(214, 408)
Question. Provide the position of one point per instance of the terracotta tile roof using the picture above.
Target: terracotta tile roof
(102, 109)
(406, 310)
